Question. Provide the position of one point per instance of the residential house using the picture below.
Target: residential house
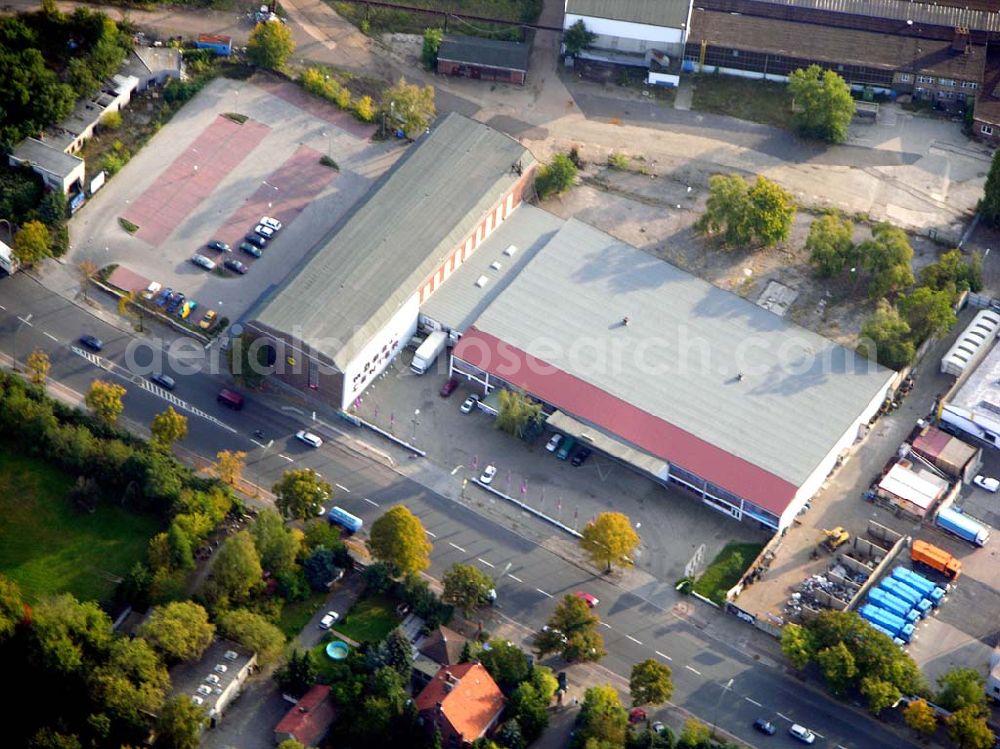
(310, 719)
(462, 702)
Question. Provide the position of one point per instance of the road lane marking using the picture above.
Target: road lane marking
(629, 637)
(371, 502)
(663, 655)
(49, 335)
(342, 488)
(696, 671)
(3, 308)
(753, 702)
(515, 578)
(27, 321)
(819, 735)
(547, 595)
(282, 455)
(605, 624)
(485, 562)
(431, 533)
(456, 546)
(782, 715)
(455, 470)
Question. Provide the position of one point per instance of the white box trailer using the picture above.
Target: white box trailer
(7, 261)
(428, 351)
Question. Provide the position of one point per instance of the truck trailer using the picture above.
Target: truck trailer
(963, 526)
(898, 626)
(428, 351)
(908, 594)
(935, 558)
(893, 604)
(887, 633)
(923, 586)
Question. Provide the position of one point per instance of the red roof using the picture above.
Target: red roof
(650, 433)
(470, 701)
(310, 719)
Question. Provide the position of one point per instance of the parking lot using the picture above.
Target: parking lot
(673, 526)
(206, 176)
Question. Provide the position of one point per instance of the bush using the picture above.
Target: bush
(555, 177)
(365, 110)
(618, 161)
(111, 120)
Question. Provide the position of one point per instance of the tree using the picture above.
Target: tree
(507, 664)
(510, 735)
(885, 337)
(954, 273)
(555, 178)
(920, 717)
(831, 245)
(517, 412)
(128, 306)
(277, 545)
(695, 734)
(962, 688)
(253, 632)
(409, 107)
(167, 428)
(229, 466)
(87, 269)
(320, 568)
(530, 710)
(887, 257)
(650, 683)
(602, 717)
(572, 631)
(838, 666)
(610, 539)
(180, 630)
(291, 744)
(237, 569)
(38, 366)
(300, 492)
(742, 215)
(105, 400)
(179, 724)
(578, 38)
(823, 105)
(927, 312)
(32, 243)
(270, 45)
(132, 682)
(364, 109)
(432, 43)
(395, 651)
(989, 206)
(466, 587)
(969, 730)
(11, 608)
(398, 538)
(880, 694)
(772, 210)
(298, 674)
(796, 645)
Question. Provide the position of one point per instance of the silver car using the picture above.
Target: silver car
(309, 438)
(203, 262)
(265, 231)
(271, 223)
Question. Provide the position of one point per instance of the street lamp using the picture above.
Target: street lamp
(416, 423)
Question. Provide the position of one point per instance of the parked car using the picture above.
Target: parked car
(562, 638)
(988, 483)
(488, 473)
(636, 715)
(802, 733)
(587, 598)
(250, 249)
(581, 456)
(658, 726)
(309, 438)
(92, 342)
(553, 444)
(469, 403)
(271, 223)
(765, 726)
(203, 262)
(329, 619)
(208, 320)
(235, 265)
(219, 246)
(449, 387)
(185, 310)
(164, 381)
(265, 231)
(162, 297)
(175, 302)
(256, 239)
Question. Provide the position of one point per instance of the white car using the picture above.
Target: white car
(203, 262)
(553, 444)
(265, 231)
(329, 619)
(802, 733)
(469, 403)
(309, 438)
(988, 483)
(270, 223)
(488, 473)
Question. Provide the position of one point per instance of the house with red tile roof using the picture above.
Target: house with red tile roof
(309, 720)
(462, 702)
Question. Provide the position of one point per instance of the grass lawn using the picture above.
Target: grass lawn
(758, 101)
(48, 547)
(725, 570)
(295, 615)
(410, 22)
(370, 619)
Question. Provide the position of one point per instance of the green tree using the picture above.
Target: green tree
(530, 710)
(969, 730)
(838, 666)
(989, 205)
(179, 724)
(270, 45)
(880, 694)
(105, 400)
(962, 688)
(236, 571)
(572, 631)
(12, 611)
(128, 306)
(320, 568)
(518, 413)
(180, 630)
(602, 717)
(49, 738)
(32, 243)
(954, 273)
(610, 539)
(111, 120)
(555, 178)
(38, 366)
(298, 674)
(509, 735)
(920, 717)
(927, 312)
(887, 257)
(507, 664)
(409, 107)
(727, 210)
(823, 105)
(398, 538)
(578, 38)
(395, 651)
(253, 632)
(132, 683)
(167, 428)
(796, 645)
(695, 734)
(432, 43)
(229, 466)
(277, 544)
(466, 587)
(885, 336)
(365, 110)
(291, 744)
(300, 493)
(772, 210)
(650, 683)
(831, 245)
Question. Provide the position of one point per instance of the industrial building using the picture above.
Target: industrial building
(972, 407)
(483, 59)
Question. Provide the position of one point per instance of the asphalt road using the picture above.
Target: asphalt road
(714, 680)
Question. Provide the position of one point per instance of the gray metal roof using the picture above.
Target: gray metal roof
(460, 301)
(47, 157)
(491, 53)
(681, 354)
(941, 14)
(670, 13)
(387, 245)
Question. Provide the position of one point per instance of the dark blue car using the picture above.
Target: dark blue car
(92, 342)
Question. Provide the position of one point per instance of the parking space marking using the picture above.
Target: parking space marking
(456, 546)
(629, 637)
(432, 534)
(605, 624)
(342, 488)
(282, 455)
(27, 321)
(515, 578)
(547, 595)
(782, 715)
(372, 502)
(663, 655)
(488, 564)
(753, 702)
(50, 336)
(693, 670)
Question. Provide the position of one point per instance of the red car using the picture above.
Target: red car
(449, 387)
(590, 600)
(636, 715)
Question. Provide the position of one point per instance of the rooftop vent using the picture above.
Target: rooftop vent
(482, 281)
(511, 249)
(495, 265)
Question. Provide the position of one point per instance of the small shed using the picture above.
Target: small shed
(912, 489)
(221, 45)
(958, 459)
(484, 59)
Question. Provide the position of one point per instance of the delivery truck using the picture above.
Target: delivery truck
(935, 558)
(428, 351)
(957, 522)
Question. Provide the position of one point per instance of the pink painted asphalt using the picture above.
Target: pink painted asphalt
(283, 195)
(317, 107)
(192, 177)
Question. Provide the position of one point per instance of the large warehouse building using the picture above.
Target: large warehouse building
(688, 383)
